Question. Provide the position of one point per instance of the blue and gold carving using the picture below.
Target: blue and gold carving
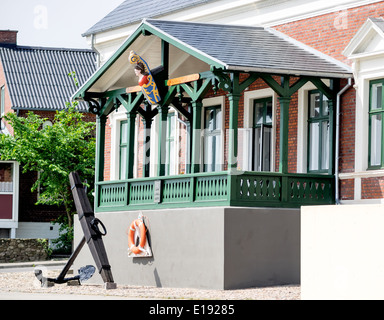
(146, 81)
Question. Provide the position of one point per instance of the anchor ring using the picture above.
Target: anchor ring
(94, 225)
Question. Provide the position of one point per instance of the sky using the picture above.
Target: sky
(53, 23)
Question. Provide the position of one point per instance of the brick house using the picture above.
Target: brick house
(33, 79)
(266, 108)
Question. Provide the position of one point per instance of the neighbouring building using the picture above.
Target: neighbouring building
(266, 107)
(33, 79)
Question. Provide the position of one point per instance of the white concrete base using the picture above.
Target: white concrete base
(342, 252)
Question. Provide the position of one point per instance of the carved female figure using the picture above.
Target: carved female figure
(141, 74)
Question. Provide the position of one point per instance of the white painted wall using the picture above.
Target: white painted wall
(37, 230)
(342, 252)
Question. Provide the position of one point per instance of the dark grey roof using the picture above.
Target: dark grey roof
(251, 48)
(131, 11)
(37, 78)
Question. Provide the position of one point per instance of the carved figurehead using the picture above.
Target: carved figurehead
(145, 78)
(141, 74)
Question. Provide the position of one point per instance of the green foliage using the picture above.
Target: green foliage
(64, 241)
(53, 151)
(74, 78)
(45, 244)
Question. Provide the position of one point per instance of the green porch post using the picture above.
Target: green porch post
(100, 147)
(161, 156)
(234, 99)
(284, 125)
(131, 117)
(197, 107)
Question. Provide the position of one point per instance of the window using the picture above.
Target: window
(6, 190)
(262, 135)
(123, 156)
(212, 138)
(376, 111)
(2, 101)
(170, 148)
(318, 132)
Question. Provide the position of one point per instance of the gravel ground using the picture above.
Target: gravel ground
(26, 282)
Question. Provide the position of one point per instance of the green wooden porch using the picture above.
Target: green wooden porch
(243, 189)
(190, 82)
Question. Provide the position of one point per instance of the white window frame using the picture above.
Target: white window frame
(210, 102)
(249, 98)
(115, 124)
(302, 125)
(13, 223)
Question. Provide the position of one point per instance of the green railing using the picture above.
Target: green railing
(246, 189)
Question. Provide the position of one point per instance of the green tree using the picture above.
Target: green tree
(53, 151)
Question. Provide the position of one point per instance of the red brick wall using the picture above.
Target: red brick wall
(347, 130)
(372, 188)
(331, 33)
(347, 189)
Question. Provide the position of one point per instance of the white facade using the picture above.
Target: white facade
(366, 51)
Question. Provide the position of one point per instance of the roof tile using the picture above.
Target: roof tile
(37, 78)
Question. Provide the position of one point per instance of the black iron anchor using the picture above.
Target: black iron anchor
(92, 236)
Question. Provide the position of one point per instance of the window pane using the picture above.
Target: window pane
(123, 162)
(314, 105)
(325, 106)
(314, 146)
(262, 148)
(259, 112)
(267, 149)
(6, 177)
(210, 119)
(268, 119)
(172, 162)
(212, 139)
(376, 123)
(217, 164)
(171, 127)
(376, 96)
(123, 132)
(325, 146)
(257, 148)
(208, 153)
(218, 119)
